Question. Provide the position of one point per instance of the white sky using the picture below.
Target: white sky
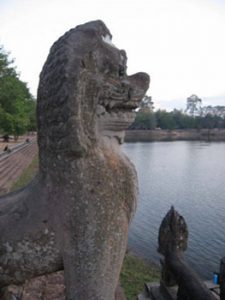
(179, 43)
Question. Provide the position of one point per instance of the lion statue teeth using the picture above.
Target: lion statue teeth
(75, 214)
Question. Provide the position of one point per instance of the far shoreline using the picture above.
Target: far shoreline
(151, 135)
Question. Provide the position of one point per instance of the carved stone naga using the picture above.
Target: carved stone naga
(75, 213)
(172, 239)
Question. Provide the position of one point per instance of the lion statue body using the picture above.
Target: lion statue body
(75, 214)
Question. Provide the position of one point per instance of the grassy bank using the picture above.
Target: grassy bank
(135, 272)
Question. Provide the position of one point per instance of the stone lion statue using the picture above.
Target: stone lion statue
(75, 214)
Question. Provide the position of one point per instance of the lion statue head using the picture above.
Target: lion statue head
(85, 93)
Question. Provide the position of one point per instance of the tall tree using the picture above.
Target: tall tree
(17, 106)
(6, 64)
(147, 103)
(193, 107)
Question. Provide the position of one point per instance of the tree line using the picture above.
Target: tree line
(147, 118)
(17, 105)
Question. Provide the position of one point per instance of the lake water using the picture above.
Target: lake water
(191, 176)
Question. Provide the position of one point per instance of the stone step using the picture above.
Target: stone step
(10, 176)
(12, 161)
(14, 148)
(12, 166)
(155, 291)
(9, 156)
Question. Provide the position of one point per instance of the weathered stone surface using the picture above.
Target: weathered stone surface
(173, 233)
(173, 236)
(46, 287)
(75, 214)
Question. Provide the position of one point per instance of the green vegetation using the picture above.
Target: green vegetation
(17, 105)
(144, 120)
(135, 272)
(195, 116)
(176, 119)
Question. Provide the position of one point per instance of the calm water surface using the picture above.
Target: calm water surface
(191, 176)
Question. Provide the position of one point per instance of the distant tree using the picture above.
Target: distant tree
(17, 106)
(6, 68)
(145, 119)
(182, 120)
(214, 111)
(209, 121)
(147, 103)
(31, 113)
(165, 120)
(6, 122)
(193, 106)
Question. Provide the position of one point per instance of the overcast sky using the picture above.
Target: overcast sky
(179, 43)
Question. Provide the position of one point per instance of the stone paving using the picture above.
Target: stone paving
(12, 143)
(155, 291)
(13, 163)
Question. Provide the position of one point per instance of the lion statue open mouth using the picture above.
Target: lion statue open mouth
(75, 214)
